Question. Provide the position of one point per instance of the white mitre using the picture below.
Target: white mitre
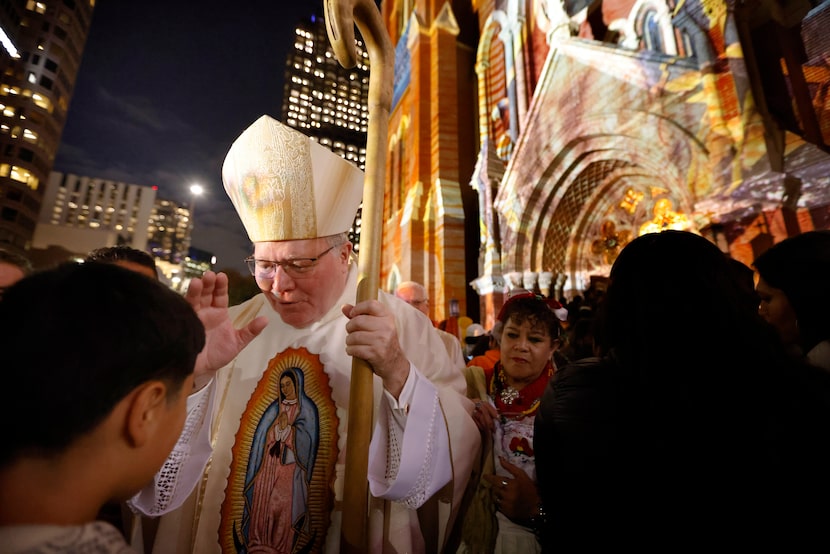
(285, 186)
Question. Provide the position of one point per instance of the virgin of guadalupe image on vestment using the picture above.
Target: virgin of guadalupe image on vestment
(280, 489)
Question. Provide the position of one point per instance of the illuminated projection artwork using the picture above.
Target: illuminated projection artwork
(280, 488)
(642, 211)
(609, 245)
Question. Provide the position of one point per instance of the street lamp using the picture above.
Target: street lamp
(196, 190)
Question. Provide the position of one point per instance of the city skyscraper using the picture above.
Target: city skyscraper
(83, 213)
(169, 242)
(42, 46)
(326, 101)
(168, 231)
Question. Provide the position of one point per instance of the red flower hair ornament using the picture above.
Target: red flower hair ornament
(558, 309)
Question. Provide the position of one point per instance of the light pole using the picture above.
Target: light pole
(196, 190)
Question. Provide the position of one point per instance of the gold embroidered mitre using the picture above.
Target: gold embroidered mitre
(285, 186)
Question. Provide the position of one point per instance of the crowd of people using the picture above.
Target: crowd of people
(693, 425)
(683, 410)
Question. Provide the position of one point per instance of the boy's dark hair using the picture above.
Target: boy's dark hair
(75, 340)
(112, 254)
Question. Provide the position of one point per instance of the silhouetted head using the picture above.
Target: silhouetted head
(77, 339)
(799, 269)
(127, 257)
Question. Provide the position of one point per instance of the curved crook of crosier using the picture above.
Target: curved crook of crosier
(341, 18)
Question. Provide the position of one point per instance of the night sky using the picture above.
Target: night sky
(163, 90)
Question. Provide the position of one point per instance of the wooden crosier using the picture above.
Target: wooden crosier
(341, 18)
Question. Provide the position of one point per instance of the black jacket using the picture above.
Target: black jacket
(622, 463)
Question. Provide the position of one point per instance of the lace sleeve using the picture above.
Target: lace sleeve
(417, 494)
(409, 458)
(184, 466)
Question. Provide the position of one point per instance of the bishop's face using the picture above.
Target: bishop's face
(302, 299)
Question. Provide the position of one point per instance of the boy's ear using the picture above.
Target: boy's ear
(145, 412)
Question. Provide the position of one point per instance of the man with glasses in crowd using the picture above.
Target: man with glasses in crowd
(415, 294)
(270, 410)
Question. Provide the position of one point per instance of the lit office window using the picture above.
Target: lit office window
(23, 175)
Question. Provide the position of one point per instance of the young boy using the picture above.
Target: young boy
(97, 364)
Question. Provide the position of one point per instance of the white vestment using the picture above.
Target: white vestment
(453, 346)
(421, 442)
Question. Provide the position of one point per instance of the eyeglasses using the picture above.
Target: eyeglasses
(425, 301)
(294, 268)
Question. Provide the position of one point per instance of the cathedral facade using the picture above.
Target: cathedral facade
(595, 122)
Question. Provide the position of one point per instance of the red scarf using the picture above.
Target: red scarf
(526, 401)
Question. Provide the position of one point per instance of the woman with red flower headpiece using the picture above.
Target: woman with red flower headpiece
(505, 508)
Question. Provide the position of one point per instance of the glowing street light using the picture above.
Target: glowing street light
(196, 190)
(181, 279)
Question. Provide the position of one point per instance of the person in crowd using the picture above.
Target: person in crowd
(503, 515)
(414, 294)
(479, 345)
(792, 283)
(297, 201)
(579, 341)
(746, 278)
(489, 352)
(693, 427)
(92, 417)
(127, 257)
(117, 513)
(474, 337)
(13, 267)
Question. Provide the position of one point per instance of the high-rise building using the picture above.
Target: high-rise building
(42, 44)
(80, 214)
(168, 233)
(326, 101)
(84, 213)
(168, 240)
